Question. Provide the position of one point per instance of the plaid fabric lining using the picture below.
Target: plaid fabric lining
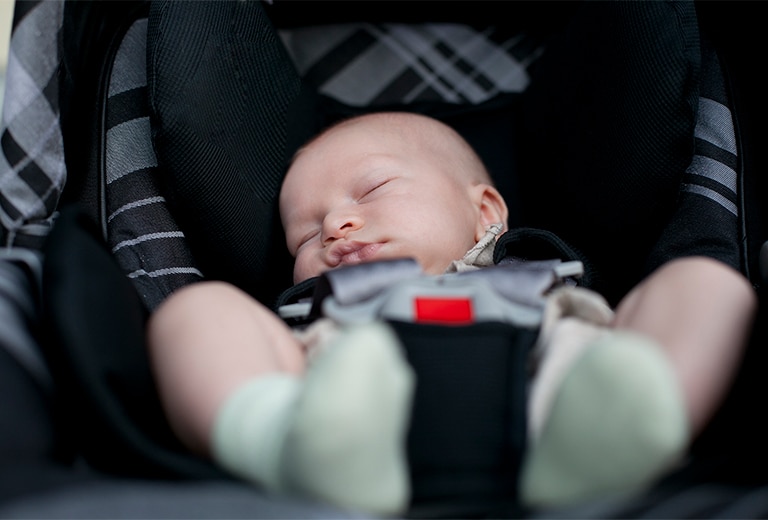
(32, 169)
(380, 64)
(141, 232)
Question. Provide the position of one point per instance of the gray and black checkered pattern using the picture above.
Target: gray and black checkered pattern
(378, 64)
(32, 168)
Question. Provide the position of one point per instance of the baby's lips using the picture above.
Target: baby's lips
(349, 253)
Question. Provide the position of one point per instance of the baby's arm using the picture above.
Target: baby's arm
(700, 311)
(205, 341)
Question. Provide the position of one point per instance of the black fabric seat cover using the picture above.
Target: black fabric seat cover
(220, 107)
(607, 132)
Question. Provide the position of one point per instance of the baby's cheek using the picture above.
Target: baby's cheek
(300, 269)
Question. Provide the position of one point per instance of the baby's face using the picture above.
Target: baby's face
(359, 195)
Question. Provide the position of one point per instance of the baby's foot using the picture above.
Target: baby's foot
(616, 422)
(337, 435)
(347, 443)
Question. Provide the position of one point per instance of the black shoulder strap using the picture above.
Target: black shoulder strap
(538, 244)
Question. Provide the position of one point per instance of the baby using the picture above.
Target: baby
(386, 186)
(237, 387)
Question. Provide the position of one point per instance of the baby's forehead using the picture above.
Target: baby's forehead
(355, 141)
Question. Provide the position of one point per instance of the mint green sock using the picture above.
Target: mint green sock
(337, 435)
(348, 441)
(617, 423)
(250, 430)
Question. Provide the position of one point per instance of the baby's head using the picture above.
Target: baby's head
(384, 186)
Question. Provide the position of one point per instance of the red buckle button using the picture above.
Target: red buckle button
(457, 311)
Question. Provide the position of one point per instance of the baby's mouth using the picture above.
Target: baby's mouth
(354, 253)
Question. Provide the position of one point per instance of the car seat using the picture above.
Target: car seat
(119, 213)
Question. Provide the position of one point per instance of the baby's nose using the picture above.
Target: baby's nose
(338, 225)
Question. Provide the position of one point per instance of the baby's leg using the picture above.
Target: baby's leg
(700, 311)
(622, 403)
(205, 341)
(235, 387)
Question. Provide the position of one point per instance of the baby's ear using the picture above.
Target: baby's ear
(492, 208)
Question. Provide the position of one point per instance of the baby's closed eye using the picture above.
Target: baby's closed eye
(305, 239)
(373, 188)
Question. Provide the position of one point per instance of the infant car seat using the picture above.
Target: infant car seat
(172, 176)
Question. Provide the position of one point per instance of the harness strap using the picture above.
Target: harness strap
(513, 292)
